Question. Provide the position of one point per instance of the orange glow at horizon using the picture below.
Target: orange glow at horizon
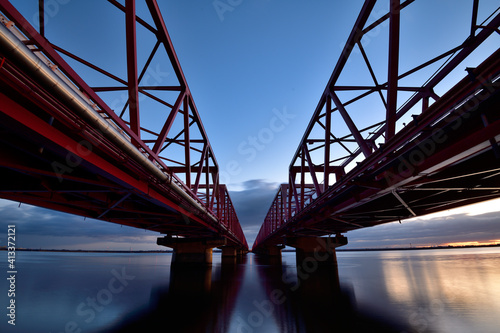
(475, 243)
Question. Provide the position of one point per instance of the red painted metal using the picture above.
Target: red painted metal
(392, 80)
(360, 188)
(133, 83)
(129, 187)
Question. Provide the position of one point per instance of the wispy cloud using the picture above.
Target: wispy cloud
(42, 228)
(252, 204)
(428, 232)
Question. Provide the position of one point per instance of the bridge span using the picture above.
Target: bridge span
(67, 146)
(430, 152)
(74, 136)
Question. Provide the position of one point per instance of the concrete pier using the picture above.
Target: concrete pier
(191, 250)
(320, 250)
(272, 250)
(229, 251)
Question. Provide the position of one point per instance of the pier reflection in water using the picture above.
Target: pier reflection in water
(198, 298)
(308, 297)
(254, 294)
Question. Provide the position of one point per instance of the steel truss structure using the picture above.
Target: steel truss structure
(377, 173)
(107, 162)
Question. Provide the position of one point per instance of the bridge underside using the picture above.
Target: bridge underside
(474, 180)
(65, 172)
(445, 158)
(51, 158)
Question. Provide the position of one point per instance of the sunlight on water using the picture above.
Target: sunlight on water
(451, 290)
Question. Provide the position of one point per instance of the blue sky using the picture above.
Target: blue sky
(256, 69)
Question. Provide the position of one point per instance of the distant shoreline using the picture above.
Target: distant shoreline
(409, 248)
(417, 248)
(3, 248)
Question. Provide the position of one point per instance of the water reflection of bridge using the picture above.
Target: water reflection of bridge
(278, 297)
(197, 298)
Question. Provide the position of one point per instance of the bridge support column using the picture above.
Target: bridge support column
(271, 254)
(191, 250)
(317, 250)
(271, 251)
(274, 251)
(229, 254)
(229, 251)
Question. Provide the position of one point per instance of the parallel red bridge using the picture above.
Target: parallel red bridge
(64, 148)
(446, 155)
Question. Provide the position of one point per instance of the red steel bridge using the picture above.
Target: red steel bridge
(73, 144)
(430, 149)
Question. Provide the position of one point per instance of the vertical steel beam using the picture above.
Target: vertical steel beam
(226, 209)
(226, 204)
(133, 83)
(288, 201)
(274, 214)
(339, 173)
(187, 142)
(283, 205)
(328, 129)
(392, 75)
(293, 191)
(221, 206)
(302, 176)
(41, 16)
(207, 175)
(425, 103)
(473, 24)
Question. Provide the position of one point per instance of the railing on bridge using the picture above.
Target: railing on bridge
(346, 130)
(140, 112)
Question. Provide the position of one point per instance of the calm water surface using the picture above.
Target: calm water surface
(456, 290)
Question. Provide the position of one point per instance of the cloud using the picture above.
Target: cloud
(427, 232)
(252, 203)
(260, 185)
(38, 227)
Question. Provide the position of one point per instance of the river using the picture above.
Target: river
(442, 290)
